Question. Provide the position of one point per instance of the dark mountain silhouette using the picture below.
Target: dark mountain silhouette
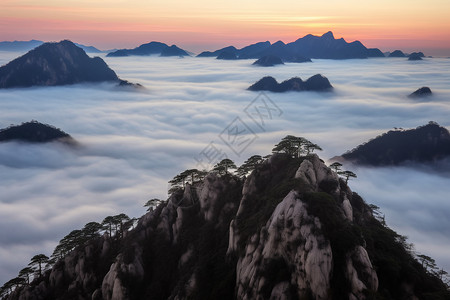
(174, 51)
(420, 93)
(310, 46)
(53, 64)
(253, 50)
(268, 61)
(227, 55)
(152, 48)
(416, 56)
(423, 144)
(420, 54)
(314, 83)
(34, 132)
(397, 53)
(298, 59)
(292, 229)
(327, 47)
(229, 49)
(374, 52)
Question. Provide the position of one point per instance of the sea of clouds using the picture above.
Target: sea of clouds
(132, 143)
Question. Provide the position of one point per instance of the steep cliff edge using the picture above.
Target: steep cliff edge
(292, 229)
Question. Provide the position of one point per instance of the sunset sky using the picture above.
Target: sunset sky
(207, 25)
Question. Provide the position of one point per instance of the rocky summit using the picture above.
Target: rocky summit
(53, 64)
(292, 229)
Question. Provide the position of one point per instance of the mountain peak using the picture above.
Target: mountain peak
(52, 64)
(328, 35)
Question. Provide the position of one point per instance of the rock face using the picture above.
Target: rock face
(292, 229)
(314, 83)
(34, 132)
(423, 144)
(152, 48)
(310, 46)
(53, 64)
(268, 61)
(422, 92)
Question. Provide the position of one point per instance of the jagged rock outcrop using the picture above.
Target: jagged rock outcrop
(292, 229)
(314, 83)
(53, 64)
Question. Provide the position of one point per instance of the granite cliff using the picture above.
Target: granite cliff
(292, 229)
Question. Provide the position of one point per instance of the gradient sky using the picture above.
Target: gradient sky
(206, 25)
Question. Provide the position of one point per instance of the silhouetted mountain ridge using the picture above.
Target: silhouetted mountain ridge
(34, 132)
(423, 144)
(310, 46)
(152, 48)
(53, 64)
(314, 83)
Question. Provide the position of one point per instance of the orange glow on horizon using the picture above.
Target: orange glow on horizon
(205, 26)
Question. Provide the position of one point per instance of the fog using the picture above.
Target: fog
(133, 143)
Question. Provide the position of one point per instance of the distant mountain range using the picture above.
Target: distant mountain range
(29, 45)
(310, 46)
(423, 144)
(53, 64)
(301, 50)
(152, 48)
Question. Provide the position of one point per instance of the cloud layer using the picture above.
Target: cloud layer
(132, 143)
